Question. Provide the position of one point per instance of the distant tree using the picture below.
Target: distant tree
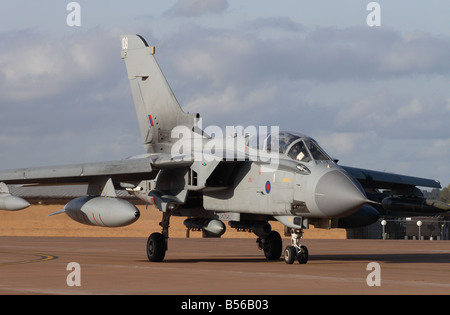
(445, 194)
(434, 194)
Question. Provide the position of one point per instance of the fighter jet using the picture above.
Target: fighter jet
(247, 180)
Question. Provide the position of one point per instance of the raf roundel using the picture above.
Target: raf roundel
(268, 187)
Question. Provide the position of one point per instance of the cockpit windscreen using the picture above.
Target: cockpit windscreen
(297, 146)
(317, 153)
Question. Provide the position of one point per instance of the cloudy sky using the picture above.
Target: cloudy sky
(373, 97)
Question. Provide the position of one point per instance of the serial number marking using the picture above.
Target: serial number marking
(246, 304)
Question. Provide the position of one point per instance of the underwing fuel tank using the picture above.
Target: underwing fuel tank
(102, 211)
(9, 202)
(214, 227)
(12, 203)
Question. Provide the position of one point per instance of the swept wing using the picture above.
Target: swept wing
(383, 180)
(400, 196)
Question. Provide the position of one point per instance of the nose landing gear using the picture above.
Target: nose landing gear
(296, 250)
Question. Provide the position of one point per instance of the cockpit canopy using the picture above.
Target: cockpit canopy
(294, 145)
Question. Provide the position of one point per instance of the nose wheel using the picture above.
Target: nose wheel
(296, 250)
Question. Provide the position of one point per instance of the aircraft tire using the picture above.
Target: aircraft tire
(156, 247)
(273, 246)
(302, 255)
(289, 255)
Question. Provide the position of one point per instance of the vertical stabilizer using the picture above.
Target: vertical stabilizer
(157, 108)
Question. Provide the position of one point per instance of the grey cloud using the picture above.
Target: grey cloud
(342, 80)
(34, 66)
(193, 8)
(284, 23)
(64, 95)
(322, 54)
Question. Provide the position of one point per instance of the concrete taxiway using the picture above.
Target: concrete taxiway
(38, 265)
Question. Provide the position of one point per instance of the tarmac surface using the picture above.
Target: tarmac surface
(39, 265)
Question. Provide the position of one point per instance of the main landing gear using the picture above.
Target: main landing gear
(296, 250)
(271, 245)
(157, 242)
(156, 247)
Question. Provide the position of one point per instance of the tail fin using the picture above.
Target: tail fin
(157, 108)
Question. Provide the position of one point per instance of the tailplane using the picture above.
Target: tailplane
(157, 108)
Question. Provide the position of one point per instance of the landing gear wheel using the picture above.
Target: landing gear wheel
(290, 254)
(273, 246)
(296, 250)
(156, 247)
(302, 255)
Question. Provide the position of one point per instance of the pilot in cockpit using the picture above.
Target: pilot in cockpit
(298, 152)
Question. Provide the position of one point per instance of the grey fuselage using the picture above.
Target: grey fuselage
(285, 183)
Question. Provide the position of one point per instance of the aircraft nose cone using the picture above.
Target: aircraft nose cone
(337, 195)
